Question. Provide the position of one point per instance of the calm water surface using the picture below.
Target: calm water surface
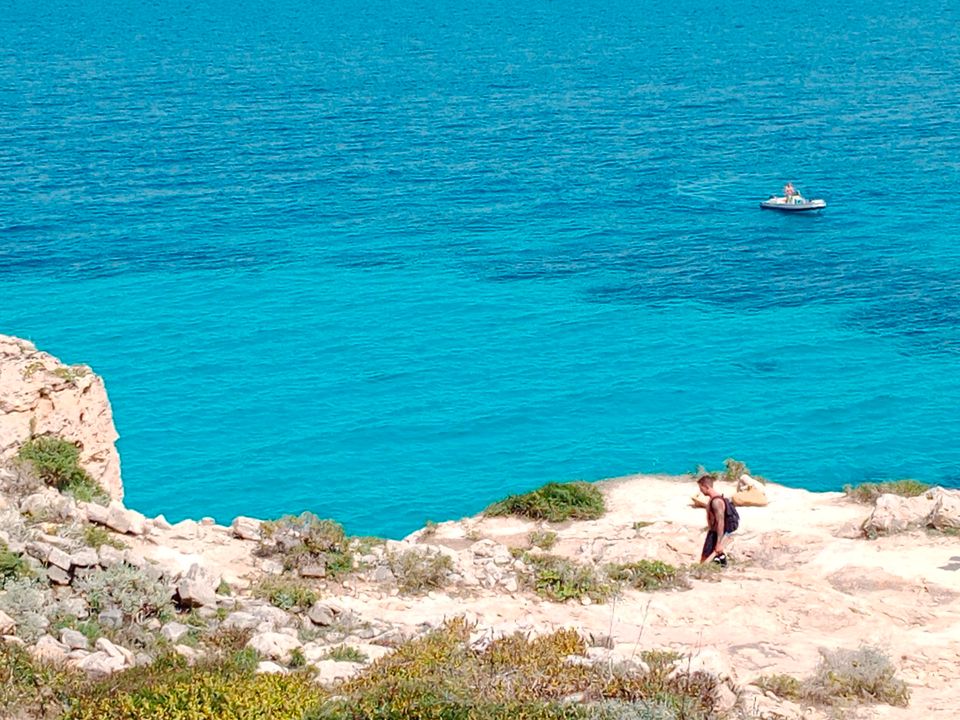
(391, 261)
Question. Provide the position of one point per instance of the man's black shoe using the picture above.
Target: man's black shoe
(721, 560)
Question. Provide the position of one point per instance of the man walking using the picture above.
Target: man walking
(722, 520)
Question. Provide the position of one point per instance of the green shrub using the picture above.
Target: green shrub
(57, 462)
(559, 579)
(783, 686)
(646, 575)
(128, 588)
(543, 539)
(865, 674)
(171, 691)
(869, 492)
(285, 592)
(96, 537)
(29, 688)
(12, 565)
(346, 653)
(554, 502)
(302, 540)
(30, 603)
(419, 570)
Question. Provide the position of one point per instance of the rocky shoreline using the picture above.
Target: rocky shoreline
(101, 588)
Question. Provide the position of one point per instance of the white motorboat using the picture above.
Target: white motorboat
(792, 203)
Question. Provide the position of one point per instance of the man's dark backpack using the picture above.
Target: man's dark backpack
(731, 518)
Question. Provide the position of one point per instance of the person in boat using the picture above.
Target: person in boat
(789, 192)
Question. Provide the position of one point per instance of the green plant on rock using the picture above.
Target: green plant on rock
(781, 685)
(346, 653)
(419, 570)
(96, 537)
(304, 540)
(560, 579)
(30, 603)
(554, 502)
(57, 462)
(869, 492)
(131, 589)
(865, 674)
(12, 565)
(543, 539)
(285, 593)
(646, 575)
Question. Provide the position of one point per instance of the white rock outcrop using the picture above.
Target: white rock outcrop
(41, 395)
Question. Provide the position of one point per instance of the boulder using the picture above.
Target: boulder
(274, 645)
(173, 631)
(332, 671)
(753, 496)
(270, 668)
(945, 514)
(84, 558)
(109, 556)
(115, 651)
(50, 649)
(100, 664)
(57, 575)
(7, 624)
(245, 528)
(893, 514)
(125, 521)
(198, 587)
(321, 614)
(74, 639)
(241, 620)
(59, 558)
(313, 570)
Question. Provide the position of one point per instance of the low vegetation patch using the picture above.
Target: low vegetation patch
(96, 537)
(647, 575)
(543, 539)
(304, 540)
(862, 675)
(131, 589)
(346, 653)
(441, 676)
(57, 462)
(869, 492)
(420, 570)
(12, 565)
(285, 592)
(557, 578)
(554, 502)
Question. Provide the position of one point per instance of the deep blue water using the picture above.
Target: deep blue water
(391, 261)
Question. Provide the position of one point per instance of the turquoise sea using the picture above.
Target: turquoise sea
(389, 262)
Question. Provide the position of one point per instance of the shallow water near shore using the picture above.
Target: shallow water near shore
(390, 263)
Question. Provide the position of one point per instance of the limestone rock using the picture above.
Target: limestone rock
(124, 521)
(321, 614)
(40, 395)
(49, 649)
(751, 497)
(100, 663)
(198, 587)
(893, 514)
(84, 558)
(246, 528)
(115, 651)
(241, 620)
(173, 631)
(274, 645)
(59, 558)
(74, 639)
(272, 668)
(109, 556)
(946, 509)
(7, 624)
(57, 575)
(331, 671)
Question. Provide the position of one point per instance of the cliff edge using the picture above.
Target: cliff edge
(39, 395)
